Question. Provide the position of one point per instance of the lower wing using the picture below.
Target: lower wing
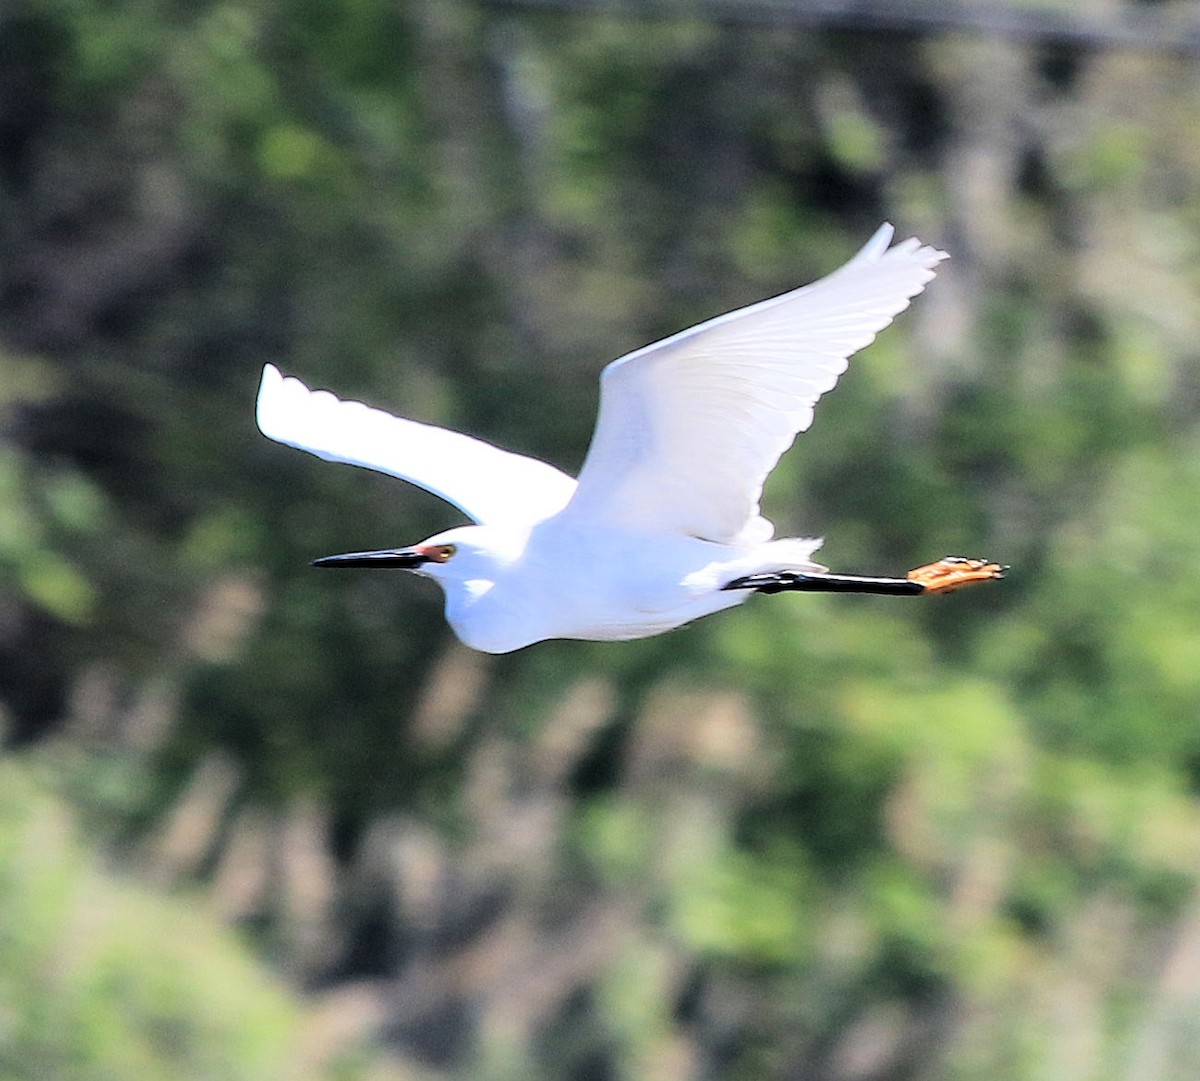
(489, 484)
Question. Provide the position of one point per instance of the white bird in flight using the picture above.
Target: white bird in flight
(663, 524)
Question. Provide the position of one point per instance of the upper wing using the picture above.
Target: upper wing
(489, 484)
(690, 427)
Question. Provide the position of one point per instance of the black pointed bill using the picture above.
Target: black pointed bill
(406, 558)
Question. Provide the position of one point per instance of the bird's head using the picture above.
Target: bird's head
(468, 562)
(467, 553)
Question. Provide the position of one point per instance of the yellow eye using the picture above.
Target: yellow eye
(442, 552)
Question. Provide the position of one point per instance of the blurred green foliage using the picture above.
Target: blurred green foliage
(105, 979)
(842, 839)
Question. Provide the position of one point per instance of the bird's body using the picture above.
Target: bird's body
(663, 525)
(516, 588)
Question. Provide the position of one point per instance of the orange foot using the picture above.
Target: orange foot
(954, 572)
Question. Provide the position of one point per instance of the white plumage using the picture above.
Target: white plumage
(486, 483)
(665, 513)
(690, 427)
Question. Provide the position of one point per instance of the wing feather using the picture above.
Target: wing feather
(690, 427)
(489, 484)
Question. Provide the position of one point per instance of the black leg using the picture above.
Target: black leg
(795, 582)
(944, 576)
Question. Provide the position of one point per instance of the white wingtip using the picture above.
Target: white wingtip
(880, 244)
(874, 248)
(268, 397)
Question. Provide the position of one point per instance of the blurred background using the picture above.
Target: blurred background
(262, 822)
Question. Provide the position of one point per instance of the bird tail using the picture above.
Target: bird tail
(795, 553)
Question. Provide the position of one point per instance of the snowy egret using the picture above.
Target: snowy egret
(663, 525)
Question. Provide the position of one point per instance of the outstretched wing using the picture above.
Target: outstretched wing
(489, 484)
(690, 427)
